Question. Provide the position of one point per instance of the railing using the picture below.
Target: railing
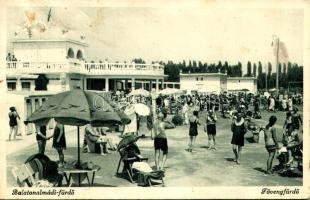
(36, 67)
(85, 68)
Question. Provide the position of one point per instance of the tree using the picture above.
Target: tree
(280, 69)
(205, 68)
(269, 77)
(138, 61)
(269, 69)
(261, 78)
(183, 64)
(284, 68)
(249, 69)
(172, 70)
(194, 63)
(225, 67)
(239, 69)
(260, 68)
(219, 66)
(289, 72)
(254, 69)
(283, 77)
(190, 64)
(212, 68)
(41, 82)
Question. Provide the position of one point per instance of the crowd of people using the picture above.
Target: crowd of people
(195, 110)
(201, 109)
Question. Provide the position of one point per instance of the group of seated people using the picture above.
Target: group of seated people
(97, 141)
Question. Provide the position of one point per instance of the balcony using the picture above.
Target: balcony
(105, 68)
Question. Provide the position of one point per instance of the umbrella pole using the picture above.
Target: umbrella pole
(78, 163)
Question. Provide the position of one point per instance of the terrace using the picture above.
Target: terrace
(80, 67)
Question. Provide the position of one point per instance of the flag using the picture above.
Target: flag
(283, 55)
(49, 15)
(280, 49)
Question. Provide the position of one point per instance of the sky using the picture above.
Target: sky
(172, 33)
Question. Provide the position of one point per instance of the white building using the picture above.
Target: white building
(242, 83)
(203, 82)
(215, 83)
(62, 62)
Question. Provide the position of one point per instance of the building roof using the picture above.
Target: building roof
(22, 76)
(32, 93)
(50, 40)
(203, 74)
(242, 78)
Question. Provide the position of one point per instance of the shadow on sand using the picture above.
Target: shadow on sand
(260, 170)
(94, 185)
(230, 159)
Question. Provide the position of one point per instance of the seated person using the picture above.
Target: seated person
(94, 136)
(292, 141)
(104, 137)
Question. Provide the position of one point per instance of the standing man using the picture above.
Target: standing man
(160, 141)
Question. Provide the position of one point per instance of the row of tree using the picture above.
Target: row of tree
(290, 75)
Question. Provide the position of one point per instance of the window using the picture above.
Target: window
(11, 86)
(70, 53)
(239, 81)
(79, 55)
(26, 86)
(197, 79)
(201, 78)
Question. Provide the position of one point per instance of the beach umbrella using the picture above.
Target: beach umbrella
(127, 140)
(142, 109)
(129, 110)
(170, 91)
(77, 108)
(140, 92)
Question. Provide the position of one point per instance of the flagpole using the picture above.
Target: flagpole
(277, 67)
(266, 81)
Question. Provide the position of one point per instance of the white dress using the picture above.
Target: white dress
(132, 127)
(272, 104)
